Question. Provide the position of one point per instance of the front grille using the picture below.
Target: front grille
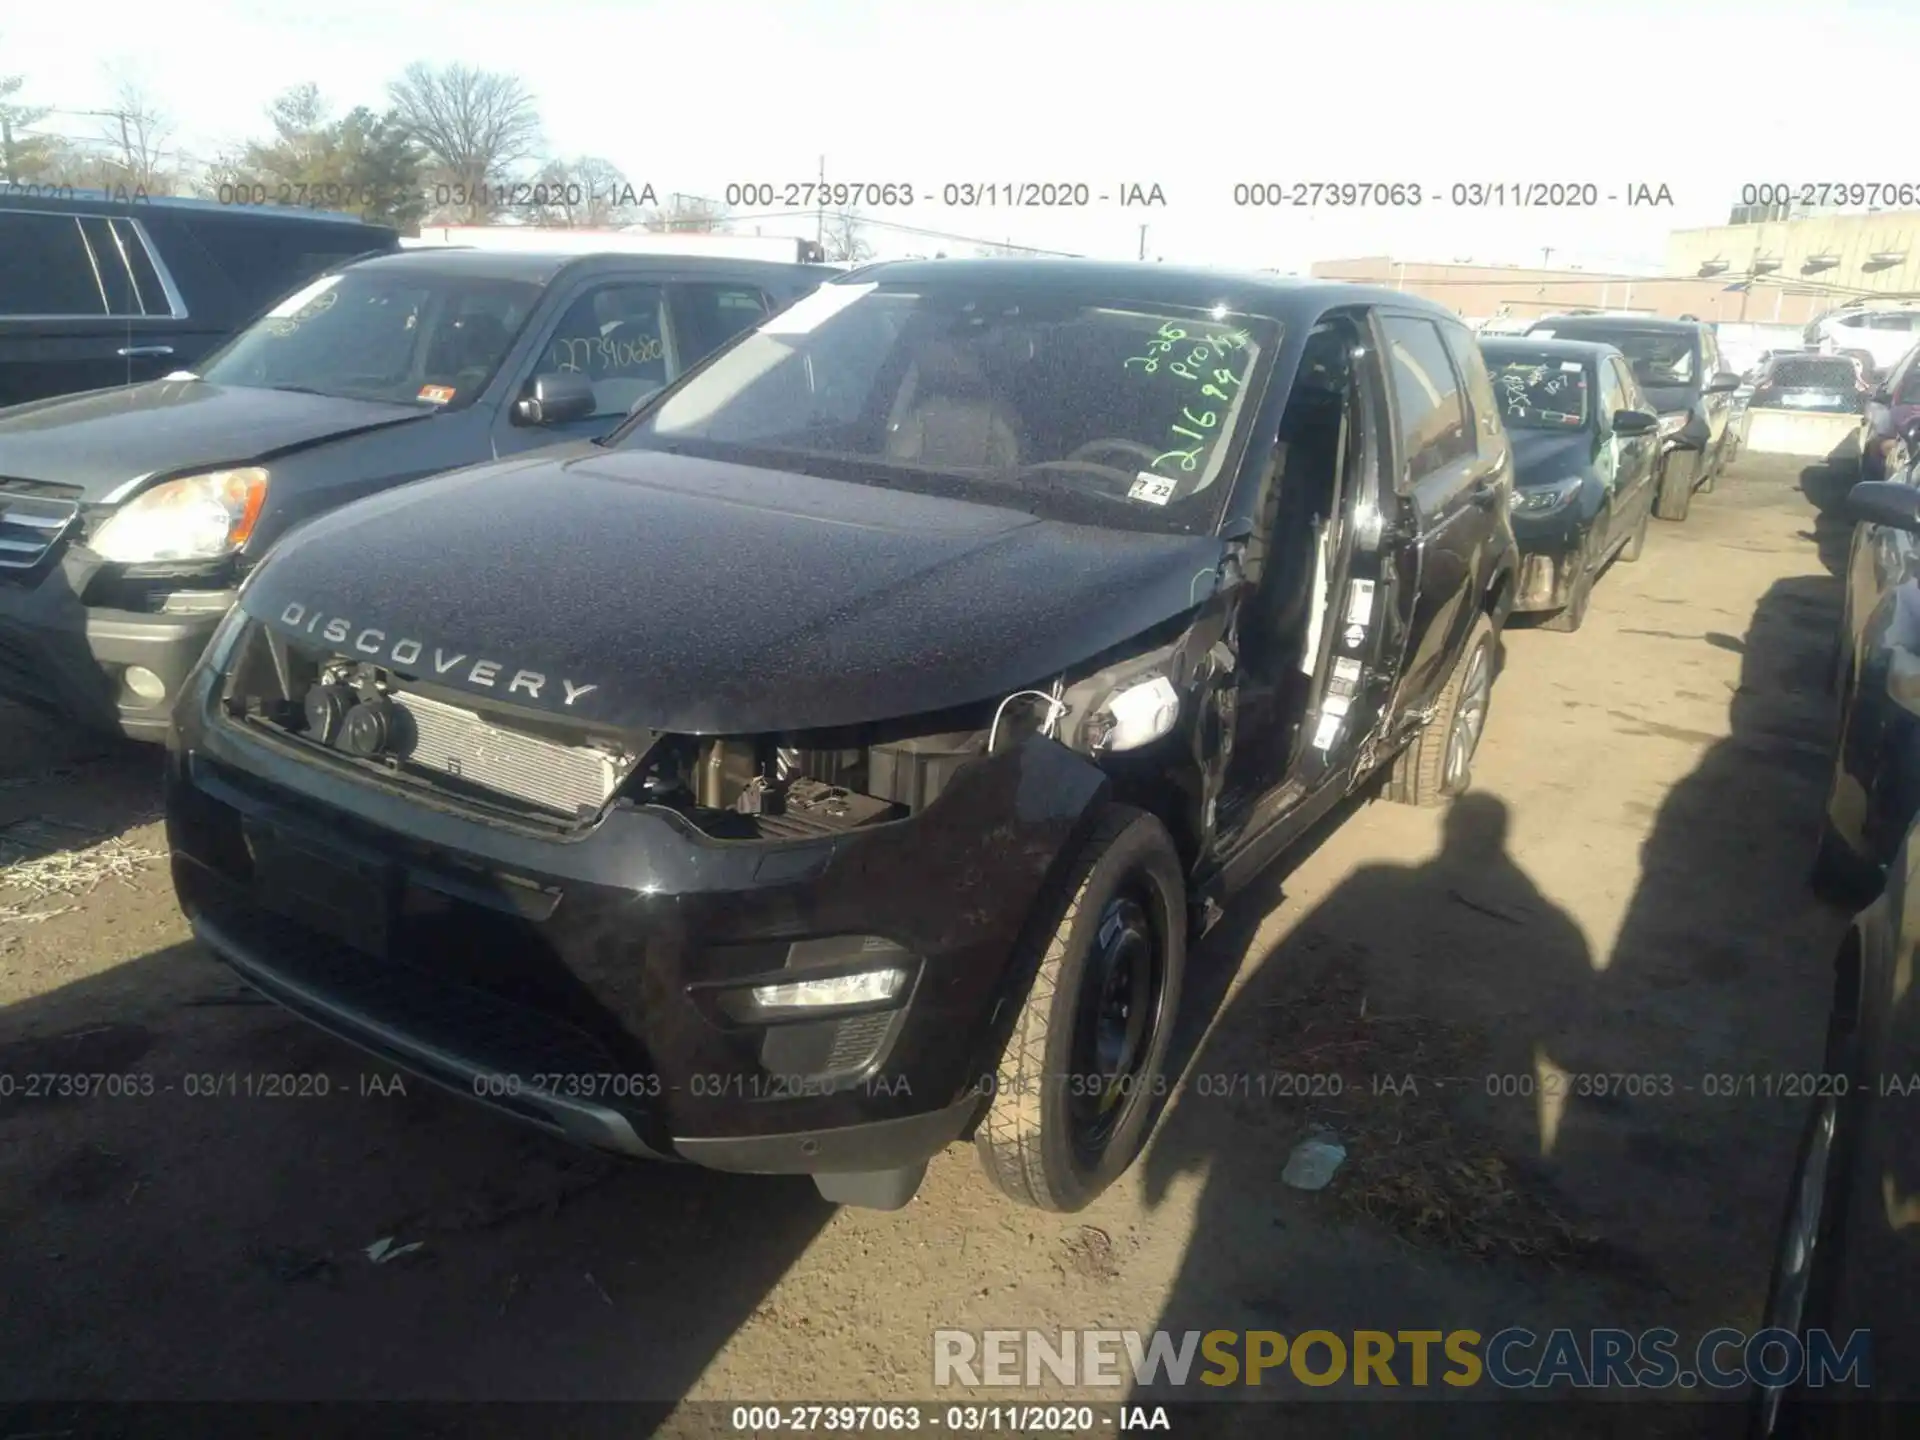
(30, 526)
(454, 741)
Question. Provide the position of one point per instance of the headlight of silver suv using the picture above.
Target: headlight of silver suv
(1540, 499)
(197, 517)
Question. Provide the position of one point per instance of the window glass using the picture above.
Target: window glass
(265, 261)
(1629, 387)
(115, 279)
(1908, 392)
(46, 270)
(1061, 398)
(371, 334)
(1472, 364)
(616, 336)
(1613, 397)
(708, 316)
(1890, 322)
(1433, 414)
(148, 292)
(1539, 391)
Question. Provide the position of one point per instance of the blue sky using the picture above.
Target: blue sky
(1191, 96)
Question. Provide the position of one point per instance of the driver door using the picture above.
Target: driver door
(615, 332)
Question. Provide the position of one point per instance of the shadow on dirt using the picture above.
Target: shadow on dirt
(1560, 1095)
(201, 1232)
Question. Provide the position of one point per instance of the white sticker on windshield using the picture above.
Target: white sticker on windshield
(805, 316)
(1540, 334)
(1572, 365)
(302, 298)
(1152, 488)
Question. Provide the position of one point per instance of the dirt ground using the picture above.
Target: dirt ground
(1621, 894)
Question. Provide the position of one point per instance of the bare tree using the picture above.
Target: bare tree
(135, 137)
(18, 151)
(687, 214)
(586, 193)
(846, 242)
(476, 127)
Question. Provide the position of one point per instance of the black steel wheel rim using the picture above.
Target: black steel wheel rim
(1116, 1018)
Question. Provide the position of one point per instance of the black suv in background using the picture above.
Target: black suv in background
(128, 517)
(96, 292)
(1678, 365)
(839, 759)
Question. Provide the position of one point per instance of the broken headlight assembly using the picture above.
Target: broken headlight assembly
(1544, 499)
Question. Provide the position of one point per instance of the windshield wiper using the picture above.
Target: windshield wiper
(297, 389)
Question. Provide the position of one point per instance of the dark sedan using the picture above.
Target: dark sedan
(1586, 450)
(129, 517)
(1893, 406)
(1875, 792)
(1846, 1277)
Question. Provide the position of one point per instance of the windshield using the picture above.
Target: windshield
(1813, 374)
(1660, 360)
(1539, 392)
(1111, 411)
(373, 334)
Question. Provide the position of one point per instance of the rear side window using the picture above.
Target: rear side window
(1434, 428)
(126, 271)
(1471, 364)
(615, 336)
(47, 270)
(266, 261)
(707, 316)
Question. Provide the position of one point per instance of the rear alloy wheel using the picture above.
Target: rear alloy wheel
(1677, 474)
(1081, 1075)
(1438, 765)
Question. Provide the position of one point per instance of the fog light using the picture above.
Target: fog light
(866, 987)
(144, 684)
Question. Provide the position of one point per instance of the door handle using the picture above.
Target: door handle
(141, 352)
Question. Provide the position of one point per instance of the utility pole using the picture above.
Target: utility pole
(820, 214)
(6, 147)
(1143, 242)
(1546, 254)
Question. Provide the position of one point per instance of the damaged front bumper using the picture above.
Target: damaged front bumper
(610, 984)
(1551, 552)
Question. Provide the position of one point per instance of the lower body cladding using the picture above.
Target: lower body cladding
(827, 1006)
(108, 665)
(1552, 551)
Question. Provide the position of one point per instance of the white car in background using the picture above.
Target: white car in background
(1886, 330)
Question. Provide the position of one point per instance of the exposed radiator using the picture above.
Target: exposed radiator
(453, 741)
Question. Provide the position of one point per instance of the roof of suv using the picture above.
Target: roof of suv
(540, 267)
(1252, 292)
(1571, 349)
(69, 201)
(1651, 323)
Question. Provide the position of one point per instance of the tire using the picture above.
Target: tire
(1710, 470)
(1422, 774)
(1637, 542)
(1573, 614)
(1675, 496)
(1838, 875)
(1049, 1138)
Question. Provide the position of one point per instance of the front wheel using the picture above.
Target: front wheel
(1082, 1072)
(1438, 765)
(1677, 475)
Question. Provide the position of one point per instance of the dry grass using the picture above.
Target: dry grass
(44, 860)
(1411, 1162)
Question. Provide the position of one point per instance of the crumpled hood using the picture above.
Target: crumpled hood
(102, 439)
(656, 591)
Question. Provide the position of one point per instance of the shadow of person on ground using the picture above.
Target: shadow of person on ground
(202, 1232)
(1379, 1015)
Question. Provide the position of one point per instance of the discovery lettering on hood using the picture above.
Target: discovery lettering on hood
(406, 653)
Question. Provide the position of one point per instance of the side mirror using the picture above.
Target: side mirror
(555, 399)
(1723, 382)
(1881, 502)
(1910, 432)
(1634, 422)
(1881, 395)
